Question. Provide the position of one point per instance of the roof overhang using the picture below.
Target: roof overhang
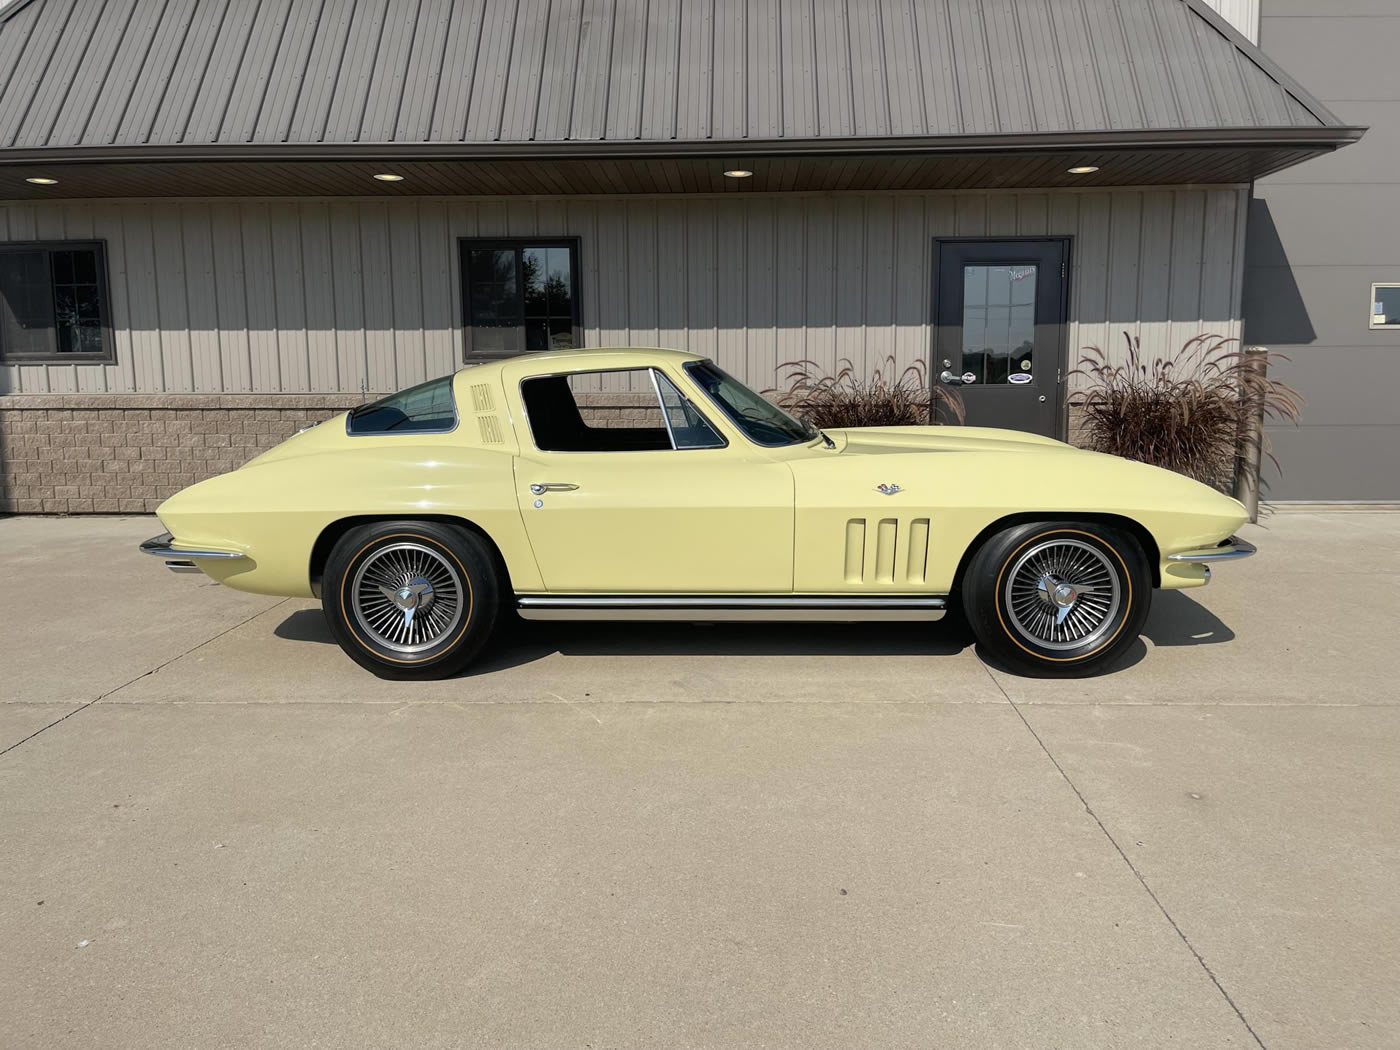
(1135, 158)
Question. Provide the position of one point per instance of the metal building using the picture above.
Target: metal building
(219, 219)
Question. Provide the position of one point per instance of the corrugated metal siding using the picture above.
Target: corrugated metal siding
(194, 71)
(363, 295)
(1242, 14)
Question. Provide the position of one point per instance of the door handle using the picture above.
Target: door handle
(552, 486)
(946, 376)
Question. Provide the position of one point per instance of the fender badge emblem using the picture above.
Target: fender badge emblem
(888, 489)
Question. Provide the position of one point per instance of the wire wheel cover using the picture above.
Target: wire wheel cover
(1063, 594)
(407, 597)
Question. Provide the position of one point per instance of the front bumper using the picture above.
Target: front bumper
(1226, 550)
(178, 559)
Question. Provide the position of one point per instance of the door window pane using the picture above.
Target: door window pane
(613, 411)
(999, 322)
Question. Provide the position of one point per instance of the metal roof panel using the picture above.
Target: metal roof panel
(307, 72)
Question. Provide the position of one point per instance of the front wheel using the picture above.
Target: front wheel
(1057, 598)
(411, 599)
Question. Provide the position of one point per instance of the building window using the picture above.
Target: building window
(1385, 306)
(53, 302)
(519, 296)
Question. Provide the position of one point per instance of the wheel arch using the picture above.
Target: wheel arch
(331, 534)
(1120, 521)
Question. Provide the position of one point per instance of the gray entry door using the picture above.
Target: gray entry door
(999, 330)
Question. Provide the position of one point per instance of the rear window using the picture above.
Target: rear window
(426, 407)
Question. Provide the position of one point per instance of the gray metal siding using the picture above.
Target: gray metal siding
(343, 296)
(198, 71)
(1244, 14)
(1320, 235)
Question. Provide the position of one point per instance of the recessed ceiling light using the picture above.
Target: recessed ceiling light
(389, 178)
(738, 173)
(1084, 169)
(39, 180)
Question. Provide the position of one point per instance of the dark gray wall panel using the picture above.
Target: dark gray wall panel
(1315, 305)
(1320, 235)
(1351, 227)
(1343, 464)
(1343, 384)
(1336, 56)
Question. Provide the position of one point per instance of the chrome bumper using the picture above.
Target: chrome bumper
(1226, 550)
(179, 560)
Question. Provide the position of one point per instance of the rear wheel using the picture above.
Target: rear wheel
(411, 599)
(1057, 598)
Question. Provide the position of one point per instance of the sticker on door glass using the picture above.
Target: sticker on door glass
(1019, 377)
(969, 377)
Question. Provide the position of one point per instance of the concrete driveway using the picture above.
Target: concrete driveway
(216, 831)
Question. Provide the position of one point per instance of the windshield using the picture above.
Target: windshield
(763, 422)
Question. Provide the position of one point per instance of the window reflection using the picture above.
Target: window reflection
(521, 297)
(999, 322)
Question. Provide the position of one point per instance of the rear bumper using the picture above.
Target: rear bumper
(179, 559)
(1226, 550)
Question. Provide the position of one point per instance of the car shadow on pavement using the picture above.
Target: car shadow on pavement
(1178, 619)
(523, 642)
(1175, 619)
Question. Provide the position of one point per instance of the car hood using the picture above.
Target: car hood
(888, 440)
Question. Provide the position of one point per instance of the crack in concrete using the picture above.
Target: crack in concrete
(1128, 861)
(143, 674)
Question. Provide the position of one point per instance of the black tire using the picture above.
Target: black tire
(1057, 598)
(445, 576)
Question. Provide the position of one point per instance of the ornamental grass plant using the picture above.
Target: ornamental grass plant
(845, 399)
(1190, 412)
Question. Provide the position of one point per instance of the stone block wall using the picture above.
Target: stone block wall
(124, 454)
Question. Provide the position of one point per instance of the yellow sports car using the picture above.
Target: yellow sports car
(521, 485)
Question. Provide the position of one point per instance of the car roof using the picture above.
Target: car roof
(585, 359)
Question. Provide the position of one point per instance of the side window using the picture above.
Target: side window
(427, 407)
(625, 410)
(613, 411)
(689, 429)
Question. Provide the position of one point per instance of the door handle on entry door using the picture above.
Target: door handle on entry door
(538, 488)
(946, 376)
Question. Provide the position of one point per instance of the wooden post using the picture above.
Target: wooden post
(1251, 445)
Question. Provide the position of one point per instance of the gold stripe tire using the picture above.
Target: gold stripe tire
(411, 599)
(1057, 598)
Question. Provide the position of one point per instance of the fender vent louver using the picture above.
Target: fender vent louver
(481, 397)
(891, 552)
(490, 430)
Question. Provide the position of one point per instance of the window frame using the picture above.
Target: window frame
(108, 354)
(518, 245)
(651, 370)
(1375, 287)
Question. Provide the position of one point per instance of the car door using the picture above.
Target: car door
(626, 488)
